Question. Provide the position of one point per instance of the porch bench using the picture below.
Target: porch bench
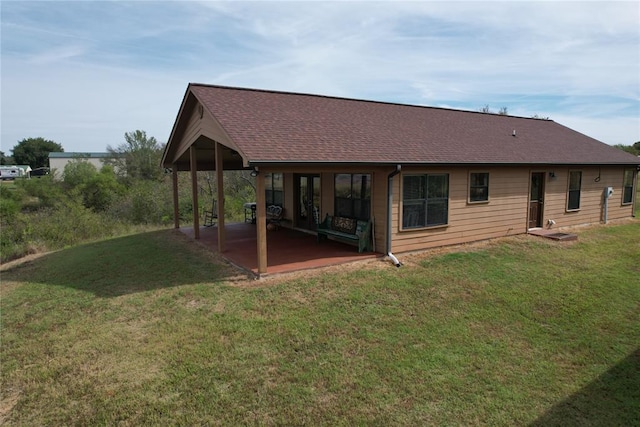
(274, 215)
(347, 229)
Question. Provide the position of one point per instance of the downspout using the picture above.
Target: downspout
(606, 203)
(635, 193)
(389, 211)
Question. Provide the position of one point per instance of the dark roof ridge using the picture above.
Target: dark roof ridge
(342, 98)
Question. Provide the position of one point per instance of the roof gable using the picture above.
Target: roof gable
(275, 127)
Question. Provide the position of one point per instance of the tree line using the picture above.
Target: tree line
(31, 151)
(633, 149)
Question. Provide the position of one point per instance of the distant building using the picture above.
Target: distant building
(57, 161)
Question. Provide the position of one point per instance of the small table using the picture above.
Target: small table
(250, 212)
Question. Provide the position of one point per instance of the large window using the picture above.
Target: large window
(573, 193)
(478, 187)
(425, 200)
(352, 193)
(627, 187)
(274, 190)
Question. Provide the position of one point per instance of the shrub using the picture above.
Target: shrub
(10, 202)
(45, 190)
(67, 224)
(78, 172)
(101, 190)
(70, 224)
(145, 202)
(9, 191)
(8, 210)
(45, 214)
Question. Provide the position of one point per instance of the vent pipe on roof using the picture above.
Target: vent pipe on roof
(389, 213)
(514, 133)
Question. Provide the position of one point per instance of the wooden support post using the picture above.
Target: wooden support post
(176, 205)
(222, 244)
(261, 223)
(193, 165)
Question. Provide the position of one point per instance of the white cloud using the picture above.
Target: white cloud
(61, 53)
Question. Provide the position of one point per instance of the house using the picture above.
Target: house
(424, 176)
(58, 160)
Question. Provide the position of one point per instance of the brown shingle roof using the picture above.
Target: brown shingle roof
(269, 126)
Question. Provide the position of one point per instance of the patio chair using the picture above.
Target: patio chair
(211, 216)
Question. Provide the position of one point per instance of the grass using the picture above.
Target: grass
(148, 329)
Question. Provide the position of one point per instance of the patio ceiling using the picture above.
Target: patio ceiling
(206, 158)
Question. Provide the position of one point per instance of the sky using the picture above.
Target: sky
(83, 73)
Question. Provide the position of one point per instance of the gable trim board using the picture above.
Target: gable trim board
(288, 133)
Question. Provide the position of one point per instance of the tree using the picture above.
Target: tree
(35, 152)
(501, 112)
(97, 189)
(539, 117)
(78, 172)
(6, 160)
(101, 190)
(138, 158)
(633, 149)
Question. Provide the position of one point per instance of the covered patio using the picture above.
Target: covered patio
(289, 250)
(203, 140)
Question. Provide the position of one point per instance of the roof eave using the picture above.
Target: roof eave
(258, 163)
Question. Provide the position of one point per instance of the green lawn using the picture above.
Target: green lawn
(149, 329)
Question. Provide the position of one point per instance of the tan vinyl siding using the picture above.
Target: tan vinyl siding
(197, 127)
(191, 132)
(379, 208)
(591, 196)
(504, 214)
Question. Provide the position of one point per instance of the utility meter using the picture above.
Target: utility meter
(608, 191)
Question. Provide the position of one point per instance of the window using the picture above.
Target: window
(627, 187)
(274, 189)
(478, 187)
(573, 194)
(352, 194)
(425, 200)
